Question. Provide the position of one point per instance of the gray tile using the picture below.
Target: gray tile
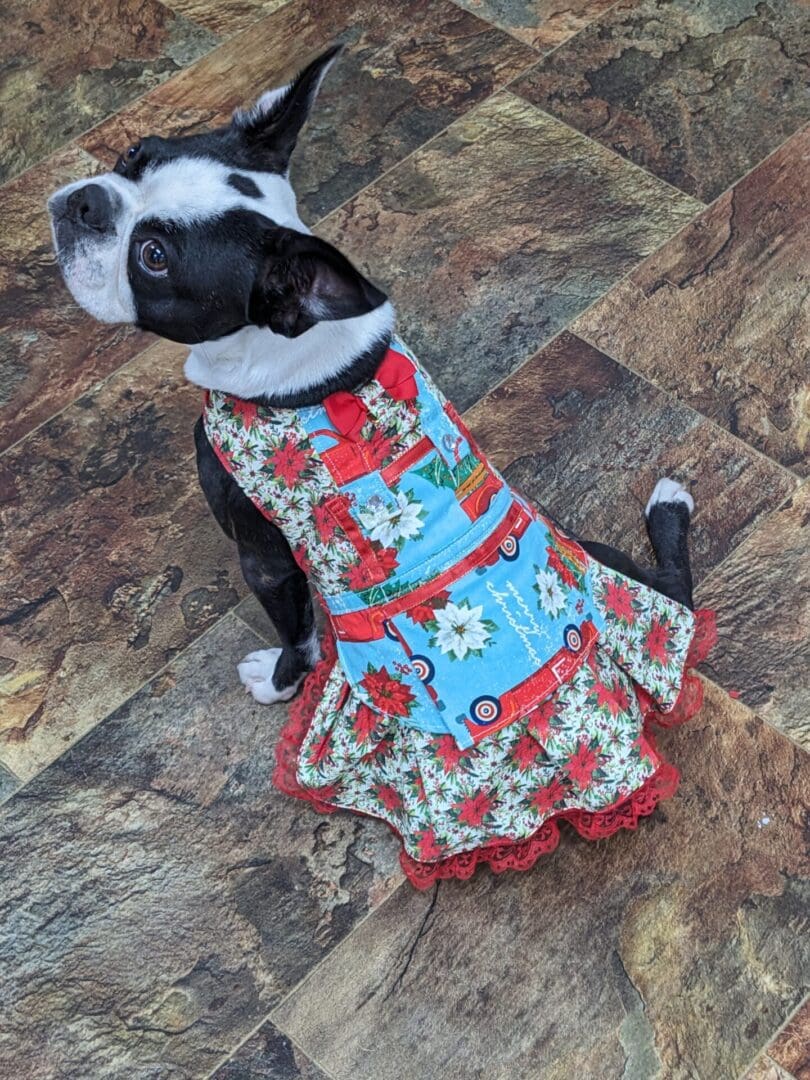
(269, 1055)
(162, 895)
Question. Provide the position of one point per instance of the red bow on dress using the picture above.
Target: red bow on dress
(348, 413)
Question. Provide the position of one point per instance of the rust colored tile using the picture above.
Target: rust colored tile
(762, 597)
(497, 234)
(65, 66)
(111, 562)
(578, 967)
(390, 92)
(226, 17)
(50, 351)
(791, 1048)
(543, 24)
(694, 90)
(765, 1069)
(165, 895)
(720, 315)
(589, 439)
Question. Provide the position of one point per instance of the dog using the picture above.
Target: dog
(198, 239)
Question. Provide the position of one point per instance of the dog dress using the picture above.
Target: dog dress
(483, 677)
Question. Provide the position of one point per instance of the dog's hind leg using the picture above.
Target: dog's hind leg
(668, 513)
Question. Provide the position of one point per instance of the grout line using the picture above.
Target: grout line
(141, 686)
(538, 48)
(764, 1049)
(269, 1016)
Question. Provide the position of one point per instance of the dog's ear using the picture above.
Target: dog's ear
(302, 281)
(271, 127)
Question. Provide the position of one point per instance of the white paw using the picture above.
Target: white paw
(256, 672)
(669, 491)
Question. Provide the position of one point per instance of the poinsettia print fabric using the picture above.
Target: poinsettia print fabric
(583, 748)
(488, 672)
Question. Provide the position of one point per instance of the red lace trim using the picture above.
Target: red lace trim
(516, 854)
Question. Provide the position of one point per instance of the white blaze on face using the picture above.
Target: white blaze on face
(183, 191)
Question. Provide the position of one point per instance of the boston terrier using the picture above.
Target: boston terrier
(198, 239)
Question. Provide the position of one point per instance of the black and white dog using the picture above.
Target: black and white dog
(199, 240)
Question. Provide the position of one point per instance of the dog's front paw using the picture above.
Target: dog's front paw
(256, 671)
(669, 491)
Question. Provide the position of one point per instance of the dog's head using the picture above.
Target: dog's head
(196, 237)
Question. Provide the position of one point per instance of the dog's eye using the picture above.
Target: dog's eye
(133, 150)
(152, 256)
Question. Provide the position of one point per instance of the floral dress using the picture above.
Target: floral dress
(483, 677)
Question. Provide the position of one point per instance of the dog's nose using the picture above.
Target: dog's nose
(91, 207)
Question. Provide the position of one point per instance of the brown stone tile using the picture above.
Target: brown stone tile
(165, 896)
(720, 315)
(697, 92)
(543, 24)
(50, 351)
(226, 17)
(67, 66)
(588, 439)
(581, 967)
(765, 1069)
(761, 594)
(111, 562)
(497, 234)
(268, 1055)
(390, 92)
(791, 1048)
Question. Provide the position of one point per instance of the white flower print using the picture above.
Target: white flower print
(392, 525)
(461, 629)
(552, 597)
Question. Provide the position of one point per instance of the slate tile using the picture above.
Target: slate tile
(588, 439)
(162, 896)
(761, 594)
(268, 1055)
(112, 562)
(791, 1048)
(492, 238)
(391, 91)
(581, 966)
(50, 351)
(696, 91)
(8, 781)
(543, 24)
(226, 17)
(64, 67)
(766, 1069)
(720, 316)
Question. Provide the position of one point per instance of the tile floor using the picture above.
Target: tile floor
(595, 221)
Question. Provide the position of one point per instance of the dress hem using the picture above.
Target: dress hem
(501, 854)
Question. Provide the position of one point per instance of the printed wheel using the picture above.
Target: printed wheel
(572, 638)
(485, 709)
(389, 633)
(509, 548)
(423, 668)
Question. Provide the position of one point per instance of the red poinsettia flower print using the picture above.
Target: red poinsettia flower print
(474, 809)
(657, 642)
(389, 797)
(526, 751)
(428, 848)
(449, 752)
(612, 697)
(319, 750)
(545, 798)
(581, 766)
(387, 694)
(246, 410)
(324, 522)
(540, 719)
(367, 573)
(559, 568)
(364, 724)
(422, 613)
(288, 462)
(620, 601)
(381, 445)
